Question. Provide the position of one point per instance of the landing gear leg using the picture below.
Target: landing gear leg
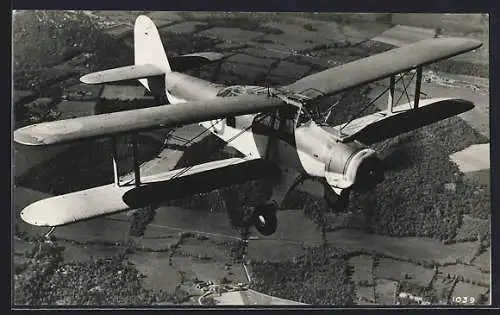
(239, 218)
(336, 203)
(49, 233)
(264, 216)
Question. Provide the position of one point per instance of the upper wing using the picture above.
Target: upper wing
(382, 65)
(122, 73)
(173, 115)
(383, 125)
(108, 199)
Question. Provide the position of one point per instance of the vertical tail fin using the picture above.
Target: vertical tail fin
(148, 48)
(150, 61)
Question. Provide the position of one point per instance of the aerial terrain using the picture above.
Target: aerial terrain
(423, 236)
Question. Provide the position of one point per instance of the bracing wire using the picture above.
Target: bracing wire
(374, 100)
(186, 143)
(405, 86)
(186, 169)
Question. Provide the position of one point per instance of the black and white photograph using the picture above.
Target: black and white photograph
(207, 159)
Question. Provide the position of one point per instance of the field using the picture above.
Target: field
(443, 287)
(403, 271)
(363, 278)
(385, 291)
(409, 231)
(483, 261)
(467, 274)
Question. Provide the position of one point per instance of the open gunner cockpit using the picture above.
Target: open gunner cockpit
(301, 117)
(237, 90)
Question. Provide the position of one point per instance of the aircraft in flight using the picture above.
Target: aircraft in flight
(273, 127)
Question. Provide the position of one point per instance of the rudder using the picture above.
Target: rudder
(148, 49)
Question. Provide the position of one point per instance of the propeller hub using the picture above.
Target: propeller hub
(369, 174)
(354, 167)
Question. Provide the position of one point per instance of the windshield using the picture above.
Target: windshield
(231, 91)
(236, 90)
(303, 117)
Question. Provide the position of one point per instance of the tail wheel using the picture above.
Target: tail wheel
(264, 219)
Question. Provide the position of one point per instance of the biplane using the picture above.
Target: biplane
(273, 127)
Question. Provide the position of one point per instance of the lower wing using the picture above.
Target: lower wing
(383, 125)
(108, 199)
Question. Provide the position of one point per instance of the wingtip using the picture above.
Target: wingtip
(476, 43)
(44, 213)
(470, 43)
(32, 214)
(457, 105)
(466, 105)
(83, 79)
(87, 79)
(25, 137)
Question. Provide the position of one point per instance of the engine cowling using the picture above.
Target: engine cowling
(353, 166)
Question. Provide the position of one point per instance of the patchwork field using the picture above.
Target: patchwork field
(403, 271)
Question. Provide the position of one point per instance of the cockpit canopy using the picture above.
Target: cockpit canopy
(302, 117)
(236, 90)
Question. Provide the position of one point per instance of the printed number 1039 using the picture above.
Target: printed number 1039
(463, 300)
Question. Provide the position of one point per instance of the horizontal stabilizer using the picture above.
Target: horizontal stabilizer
(379, 66)
(382, 125)
(174, 115)
(178, 63)
(122, 73)
(108, 199)
(193, 61)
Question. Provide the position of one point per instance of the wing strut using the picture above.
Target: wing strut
(390, 100)
(137, 169)
(373, 102)
(115, 161)
(418, 85)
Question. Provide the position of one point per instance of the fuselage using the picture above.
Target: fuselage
(282, 137)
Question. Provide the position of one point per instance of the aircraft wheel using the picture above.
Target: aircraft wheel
(264, 219)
